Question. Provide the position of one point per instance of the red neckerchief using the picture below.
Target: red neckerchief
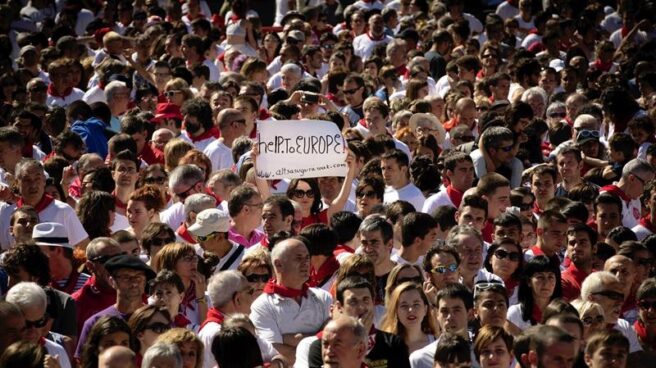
(151, 155)
(364, 123)
(454, 195)
(53, 92)
(341, 248)
(601, 66)
(263, 114)
(382, 37)
(402, 70)
(624, 31)
(536, 208)
(536, 315)
(211, 133)
(511, 284)
(45, 201)
(641, 331)
(449, 124)
(235, 18)
(213, 315)
(253, 133)
(181, 321)
(101, 85)
(616, 191)
(326, 271)
(42, 341)
(28, 150)
(265, 242)
(537, 251)
(480, 74)
(210, 193)
(69, 288)
(183, 232)
(488, 229)
(119, 204)
(274, 183)
(272, 288)
(646, 222)
(188, 298)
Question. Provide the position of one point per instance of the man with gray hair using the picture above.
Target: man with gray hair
(97, 293)
(290, 75)
(117, 95)
(343, 343)
(184, 181)
(497, 154)
(232, 125)
(87, 163)
(30, 298)
(193, 205)
(635, 176)
(222, 183)
(162, 355)
(230, 294)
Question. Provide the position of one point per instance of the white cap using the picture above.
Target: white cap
(209, 221)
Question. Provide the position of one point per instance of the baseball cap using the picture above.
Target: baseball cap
(212, 220)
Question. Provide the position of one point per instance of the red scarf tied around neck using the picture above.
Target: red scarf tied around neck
(213, 315)
(641, 331)
(43, 203)
(272, 288)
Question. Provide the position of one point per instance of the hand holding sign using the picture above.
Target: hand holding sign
(300, 148)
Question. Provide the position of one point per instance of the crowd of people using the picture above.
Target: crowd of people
(498, 208)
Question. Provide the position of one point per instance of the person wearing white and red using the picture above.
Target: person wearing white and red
(277, 215)
(198, 128)
(136, 128)
(288, 308)
(376, 115)
(245, 207)
(232, 124)
(364, 44)
(61, 92)
(396, 173)
(321, 241)
(230, 293)
(193, 49)
(581, 246)
(97, 293)
(11, 144)
(343, 343)
(635, 176)
(125, 172)
(167, 116)
(647, 224)
(459, 170)
(31, 181)
(193, 205)
(211, 231)
(644, 326)
(543, 186)
(551, 236)
(354, 93)
(33, 301)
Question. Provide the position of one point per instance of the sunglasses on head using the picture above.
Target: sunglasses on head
(502, 254)
(158, 327)
(444, 269)
(586, 133)
(479, 287)
(207, 237)
(298, 193)
(613, 295)
(254, 277)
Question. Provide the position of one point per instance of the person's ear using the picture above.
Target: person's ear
(289, 220)
(532, 358)
(588, 359)
(457, 216)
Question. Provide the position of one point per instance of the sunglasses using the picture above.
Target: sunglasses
(502, 254)
(158, 242)
(38, 323)
(525, 206)
(416, 279)
(254, 277)
(158, 327)
(170, 94)
(351, 91)
(645, 261)
(586, 133)
(646, 305)
(557, 114)
(362, 194)
(155, 180)
(207, 237)
(612, 295)
(488, 285)
(592, 320)
(298, 193)
(185, 194)
(444, 269)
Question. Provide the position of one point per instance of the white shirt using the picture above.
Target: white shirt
(173, 216)
(55, 349)
(94, 94)
(364, 45)
(514, 316)
(631, 211)
(64, 214)
(200, 144)
(396, 258)
(209, 331)
(275, 316)
(369, 5)
(224, 259)
(75, 95)
(641, 232)
(120, 223)
(409, 193)
(303, 351)
(481, 169)
(435, 201)
(627, 330)
(506, 10)
(219, 154)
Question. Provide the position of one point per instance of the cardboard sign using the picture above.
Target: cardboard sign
(300, 149)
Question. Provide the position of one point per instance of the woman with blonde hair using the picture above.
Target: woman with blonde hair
(190, 346)
(174, 151)
(257, 268)
(409, 316)
(177, 91)
(592, 316)
(182, 259)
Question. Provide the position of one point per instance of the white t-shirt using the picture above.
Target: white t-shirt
(64, 214)
(94, 94)
(55, 349)
(275, 316)
(364, 45)
(396, 258)
(200, 144)
(627, 330)
(409, 193)
(641, 232)
(435, 201)
(506, 10)
(219, 154)
(173, 216)
(75, 95)
(514, 315)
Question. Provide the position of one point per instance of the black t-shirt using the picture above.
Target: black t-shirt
(389, 352)
(381, 282)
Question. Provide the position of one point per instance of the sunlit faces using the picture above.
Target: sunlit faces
(125, 173)
(444, 270)
(495, 355)
(607, 216)
(374, 247)
(498, 201)
(579, 247)
(462, 176)
(452, 315)
(366, 198)
(505, 260)
(610, 297)
(472, 216)
(543, 284)
(118, 338)
(568, 167)
(543, 187)
(394, 174)
(613, 356)
(411, 308)
(470, 249)
(554, 237)
(491, 308)
(273, 221)
(166, 295)
(557, 354)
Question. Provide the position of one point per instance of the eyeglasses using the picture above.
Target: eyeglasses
(170, 94)
(298, 193)
(641, 180)
(38, 323)
(158, 327)
(328, 46)
(613, 295)
(416, 279)
(158, 242)
(512, 256)
(207, 237)
(155, 180)
(350, 91)
(103, 259)
(189, 258)
(254, 277)
(588, 321)
(444, 269)
(362, 194)
(646, 305)
(465, 138)
(186, 194)
(557, 114)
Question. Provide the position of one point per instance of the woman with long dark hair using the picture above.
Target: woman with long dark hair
(96, 211)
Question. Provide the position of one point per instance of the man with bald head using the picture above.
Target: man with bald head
(161, 137)
(97, 293)
(464, 114)
(116, 357)
(343, 342)
(624, 269)
(232, 125)
(288, 310)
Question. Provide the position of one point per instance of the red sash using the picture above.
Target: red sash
(641, 331)
(454, 195)
(53, 92)
(213, 132)
(272, 288)
(213, 315)
(45, 201)
(646, 222)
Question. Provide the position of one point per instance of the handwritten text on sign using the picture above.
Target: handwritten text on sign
(300, 149)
